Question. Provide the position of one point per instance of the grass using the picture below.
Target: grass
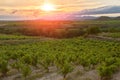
(14, 37)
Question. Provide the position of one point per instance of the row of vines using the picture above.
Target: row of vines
(104, 56)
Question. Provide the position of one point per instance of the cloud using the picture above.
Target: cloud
(79, 7)
(19, 3)
(101, 10)
(2, 9)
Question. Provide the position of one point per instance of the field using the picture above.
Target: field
(60, 50)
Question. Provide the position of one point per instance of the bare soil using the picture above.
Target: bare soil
(79, 73)
(103, 38)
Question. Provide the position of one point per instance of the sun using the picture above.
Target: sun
(48, 7)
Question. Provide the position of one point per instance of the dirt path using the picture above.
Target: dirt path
(78, 74)
(103, 38)
(116, 76)
(51, 76)
(2, 25)
(18, 76)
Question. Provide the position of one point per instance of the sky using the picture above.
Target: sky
(31, 8)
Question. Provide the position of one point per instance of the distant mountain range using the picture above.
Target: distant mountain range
(13, 18)
(108, 18)
(80, 15)
(10, 17)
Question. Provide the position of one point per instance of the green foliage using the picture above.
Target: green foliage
(13, 37)
(93, 30)
(113, 29)
(101, 55)
(63, 54)
(65, 68)
(46, 61)
(16, 65)
(65, 29)
(4, 67)
(26, 70)
(108, 67)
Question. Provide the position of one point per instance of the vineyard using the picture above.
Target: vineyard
(60, 50)
(63, 54)
(59, 39)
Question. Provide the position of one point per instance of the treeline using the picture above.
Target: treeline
(61, 33)
(65, 29)
(66, 32)
(46, 31)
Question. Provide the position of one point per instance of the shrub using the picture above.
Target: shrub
(65, 68)
(26, 70)
(4, 67)
(93, 30)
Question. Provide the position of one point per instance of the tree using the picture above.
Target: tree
(93, 30)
